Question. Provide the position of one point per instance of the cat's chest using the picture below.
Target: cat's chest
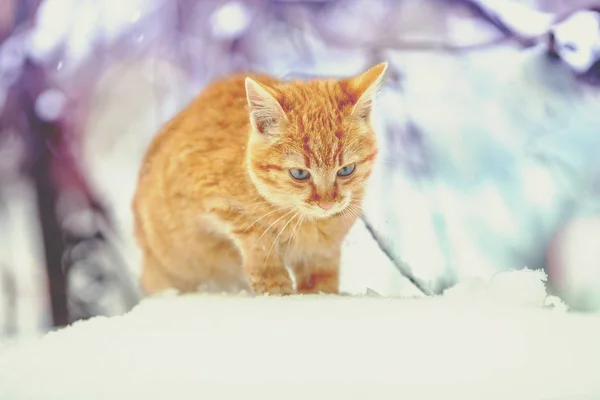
(320, 234)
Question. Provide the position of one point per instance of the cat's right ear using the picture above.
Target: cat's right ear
(365, 87)
(266, 114)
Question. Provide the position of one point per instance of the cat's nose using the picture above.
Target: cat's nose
(326, 205)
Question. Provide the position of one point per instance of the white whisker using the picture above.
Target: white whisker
(269, 213)
(279, 234)
(274, 222)
(299, 227)
(256, 204)
(353, 211)
(292, 235)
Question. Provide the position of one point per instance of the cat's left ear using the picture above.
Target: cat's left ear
(365, 87)
(266, 114)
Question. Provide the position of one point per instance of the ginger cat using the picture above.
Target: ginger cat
(254, 178)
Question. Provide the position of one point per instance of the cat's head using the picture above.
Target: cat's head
(312, 146)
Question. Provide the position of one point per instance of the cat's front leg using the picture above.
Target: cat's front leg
(265, 269)
(318, 273)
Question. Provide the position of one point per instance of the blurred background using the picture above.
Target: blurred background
(489, 125)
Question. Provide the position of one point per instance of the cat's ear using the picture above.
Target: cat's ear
(364, 88)
(266, 114)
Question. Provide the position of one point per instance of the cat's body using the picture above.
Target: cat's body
(216, 205)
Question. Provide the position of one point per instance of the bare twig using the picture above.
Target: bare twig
(403, 268)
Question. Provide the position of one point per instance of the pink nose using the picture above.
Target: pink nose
(326, 206)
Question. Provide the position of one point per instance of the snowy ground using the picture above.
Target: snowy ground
(497, 339)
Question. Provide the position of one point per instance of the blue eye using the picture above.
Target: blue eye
(299, 174)
(347, 170)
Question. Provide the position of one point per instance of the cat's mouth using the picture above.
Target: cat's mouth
(320, 213)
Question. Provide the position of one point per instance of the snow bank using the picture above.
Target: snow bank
(489, 340)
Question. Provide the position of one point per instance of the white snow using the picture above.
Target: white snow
(581, 32)
(466, 344)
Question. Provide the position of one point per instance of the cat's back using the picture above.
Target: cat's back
(216, 120)
(220, 111)
(199, 153)
(203, 148)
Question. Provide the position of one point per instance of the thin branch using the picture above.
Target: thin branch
(403, 268)
(398, 44)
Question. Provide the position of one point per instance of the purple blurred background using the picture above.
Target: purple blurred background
(488, 126)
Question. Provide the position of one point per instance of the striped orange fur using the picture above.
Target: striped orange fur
(255, 185)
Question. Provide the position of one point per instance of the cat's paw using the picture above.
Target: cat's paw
(319, 283)
(271, 287)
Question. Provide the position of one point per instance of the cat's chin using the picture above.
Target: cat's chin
(321, 214)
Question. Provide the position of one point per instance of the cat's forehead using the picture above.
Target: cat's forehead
(316, 106)
(322, 155)
(319, 145)
(327, 99)
(318, 114)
